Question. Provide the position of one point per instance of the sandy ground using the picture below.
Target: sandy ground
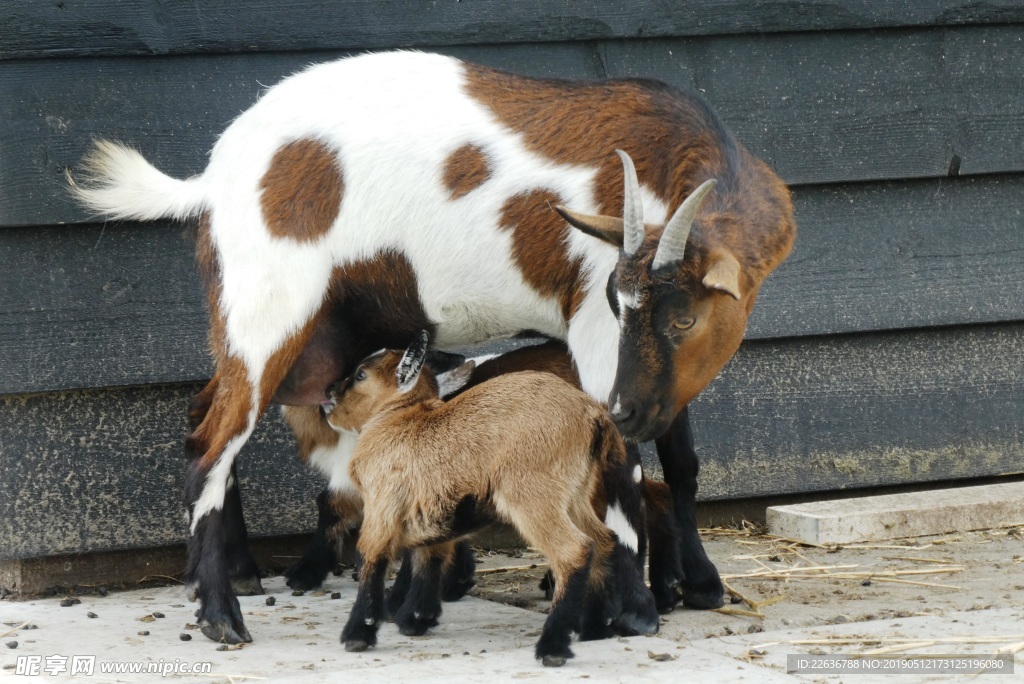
(957, 594)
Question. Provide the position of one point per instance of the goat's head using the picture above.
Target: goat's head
(682, 311)
(385, 378)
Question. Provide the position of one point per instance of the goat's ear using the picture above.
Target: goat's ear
(455, 379)
(723, 274)
(607, 228)
(408, 371)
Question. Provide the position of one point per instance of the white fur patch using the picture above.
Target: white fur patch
(638, 473)
(616, 521)
(216, 485)
(333, 461)
(627, 300)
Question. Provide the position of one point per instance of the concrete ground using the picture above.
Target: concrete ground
(956, 594)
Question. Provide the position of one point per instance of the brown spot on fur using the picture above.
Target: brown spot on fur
(371, 303)
(539, 247)
(302, 191)
(465, 170)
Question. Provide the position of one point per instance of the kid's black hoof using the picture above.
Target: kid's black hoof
(553, 661)
(247, 586)
(356, 646)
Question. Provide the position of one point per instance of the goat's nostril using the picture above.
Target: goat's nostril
(622, 411)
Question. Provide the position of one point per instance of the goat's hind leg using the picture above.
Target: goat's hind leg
(420, 606)
(243, 572)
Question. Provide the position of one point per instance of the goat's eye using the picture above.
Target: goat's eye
(360, 375)
(683, 323)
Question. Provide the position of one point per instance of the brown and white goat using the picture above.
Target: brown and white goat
(429, 183)
(524, 448)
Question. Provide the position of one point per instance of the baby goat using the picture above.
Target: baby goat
(340, 511)
(525, 448)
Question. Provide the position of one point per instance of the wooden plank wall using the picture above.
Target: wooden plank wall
(888, 349)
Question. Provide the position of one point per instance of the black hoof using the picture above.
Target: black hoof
(553, 661)
(304, 577)
(416, 626)
(356, 646)
(707, 595)
(634, 624)
(220, 620)
(415, 621)
(247, 586)
(359, 636)
(224, 632)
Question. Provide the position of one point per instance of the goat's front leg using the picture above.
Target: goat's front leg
(323, 553)
(360, 631)
(702, 587)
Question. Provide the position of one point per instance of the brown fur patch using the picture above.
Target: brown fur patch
(675, 141)
(310, 429)
(550, 357)
(663, 133)
(302, 191)
(465, 170)
(539, 247)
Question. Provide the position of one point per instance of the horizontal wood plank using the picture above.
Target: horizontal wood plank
(102, 470)
(854, 411)
(818, 107)
(92, 471)
(121, 304)
(115, 27)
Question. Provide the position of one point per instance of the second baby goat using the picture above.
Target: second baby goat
(525, 448)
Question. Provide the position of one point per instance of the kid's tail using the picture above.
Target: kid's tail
(119, 183)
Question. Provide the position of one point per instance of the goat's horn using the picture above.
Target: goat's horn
(632, 207)
(673, 240)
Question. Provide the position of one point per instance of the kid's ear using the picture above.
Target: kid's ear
(452, 381)
(408, 371)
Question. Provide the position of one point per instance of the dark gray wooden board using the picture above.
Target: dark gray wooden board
(864, 410)
(819, 107)
(102, 470)
(115, 27)
(121, 304)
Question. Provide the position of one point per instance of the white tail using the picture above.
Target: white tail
(120, 184)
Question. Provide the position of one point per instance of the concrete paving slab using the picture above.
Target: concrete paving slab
(978, 633)
(297, 640)
(873, 518)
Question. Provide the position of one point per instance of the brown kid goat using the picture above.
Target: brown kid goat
(413, 608)
(525, 448)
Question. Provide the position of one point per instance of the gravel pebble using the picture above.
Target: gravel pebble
(91, 614)
(144, 632)
(158, 615)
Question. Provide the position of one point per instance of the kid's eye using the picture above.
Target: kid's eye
(360, 375)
